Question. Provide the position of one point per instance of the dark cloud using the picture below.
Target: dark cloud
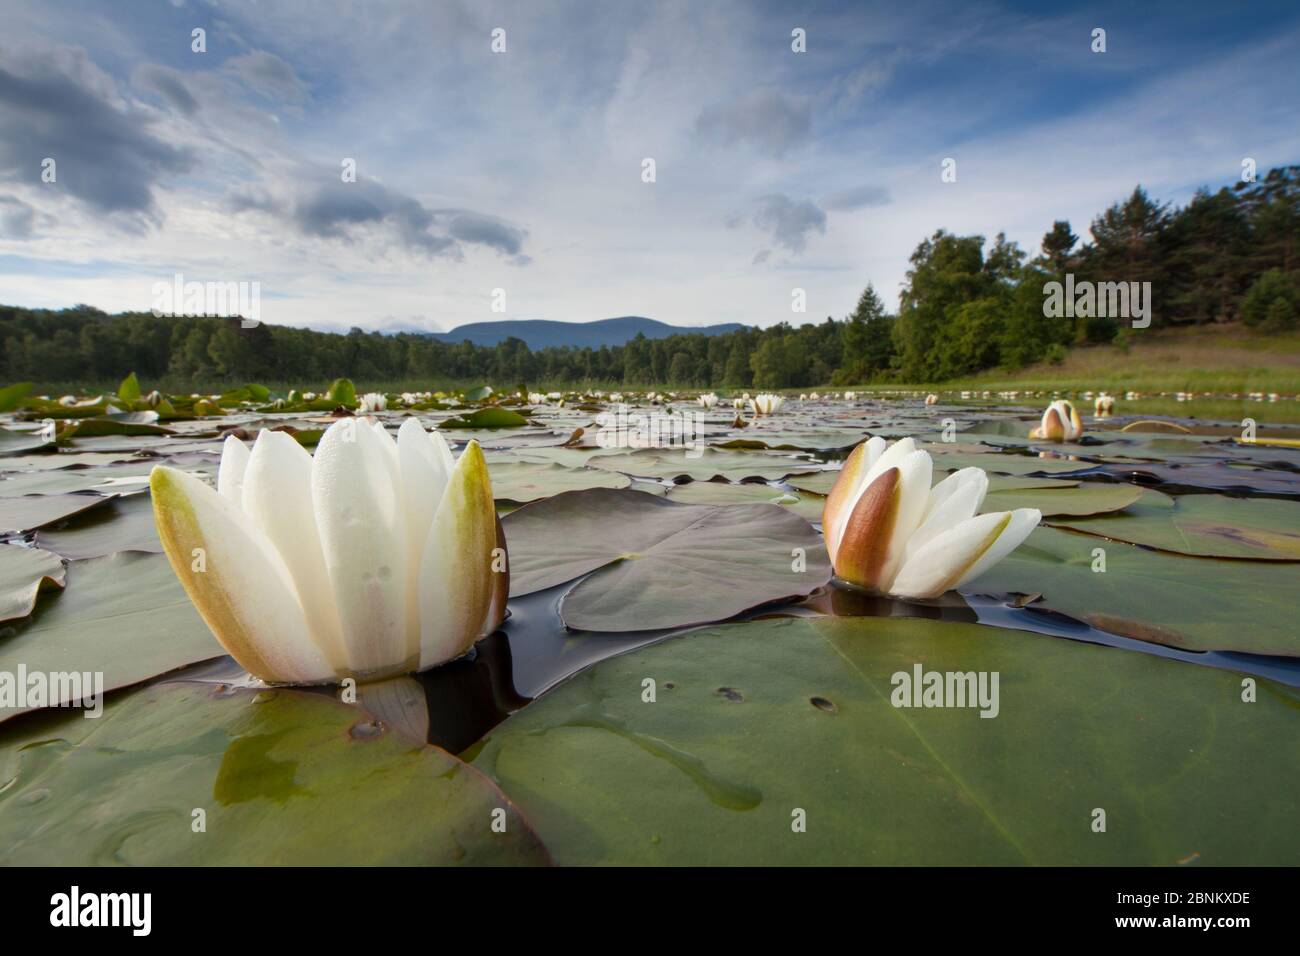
(60, 105)
(332, 211)
(167, 83)
(765, 119)
(267, 74)
(16, 218)
(858, 198)
(789, 221)
(488, 231)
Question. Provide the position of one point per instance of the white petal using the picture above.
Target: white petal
(456, 571)
(278, 500)
(357, 501)
(914, 473)
(959, 479)
(230, 474)
(1023, 521)
(235, 579)
(959, 554)
(953, 509)
(424, 472)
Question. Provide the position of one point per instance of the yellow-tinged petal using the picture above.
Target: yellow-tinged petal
(457, 580)
(237, 582)
(963, 553)
(841, 497)
(496, 612)
(864, 547)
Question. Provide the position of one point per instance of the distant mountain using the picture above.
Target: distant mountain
(543, 333)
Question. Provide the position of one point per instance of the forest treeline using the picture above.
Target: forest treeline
(967, 305)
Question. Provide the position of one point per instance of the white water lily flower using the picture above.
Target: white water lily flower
(375, 557)
(708, 400)
(1104, 405)
(766, 403)
(1060, 423)
(373, 402)
(888, 531)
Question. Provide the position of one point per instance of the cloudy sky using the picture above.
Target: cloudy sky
(523, 170)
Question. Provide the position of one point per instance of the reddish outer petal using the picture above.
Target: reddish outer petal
(863, 552)
(841, 495)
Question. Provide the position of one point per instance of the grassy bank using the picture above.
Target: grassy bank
(1203, 359)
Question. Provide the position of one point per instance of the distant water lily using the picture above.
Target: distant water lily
(932, 399)
(373, 402)
(708, 400)
(766, 403)
(1060, 423)
(1104, 405)
(888, 531)
(375, 557)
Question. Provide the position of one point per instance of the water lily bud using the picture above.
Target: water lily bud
(375, 557)
(889, 532)
(1060, 423)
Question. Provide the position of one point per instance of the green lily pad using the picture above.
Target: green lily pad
(1263, 529)
(341, 392)
(282, 777)
(124, 614)
(808, 507)
(11, 396)
(1004, 463)
(128, 423)
(702, 464)
(753, 723)
(1089, 498)
(522, 482)
(658, 564)
(123, 524)
(129, 390)
(1194, 603)
(24, 573)
(34, 511)
(21, 442)
(487, 418)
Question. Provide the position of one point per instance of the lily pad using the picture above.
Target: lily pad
(487, 418)
(658, 564)
(1197, 604)
(35, 511)
(522, 482)
(24, 573)
(808, 507)
(701, 464)
(282, 777)
(1263, 529)
(124, 614)
(759, 727)
(124, 524)
(21, 442)
(1088, 498)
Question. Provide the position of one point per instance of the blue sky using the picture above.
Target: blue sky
(521, 170)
